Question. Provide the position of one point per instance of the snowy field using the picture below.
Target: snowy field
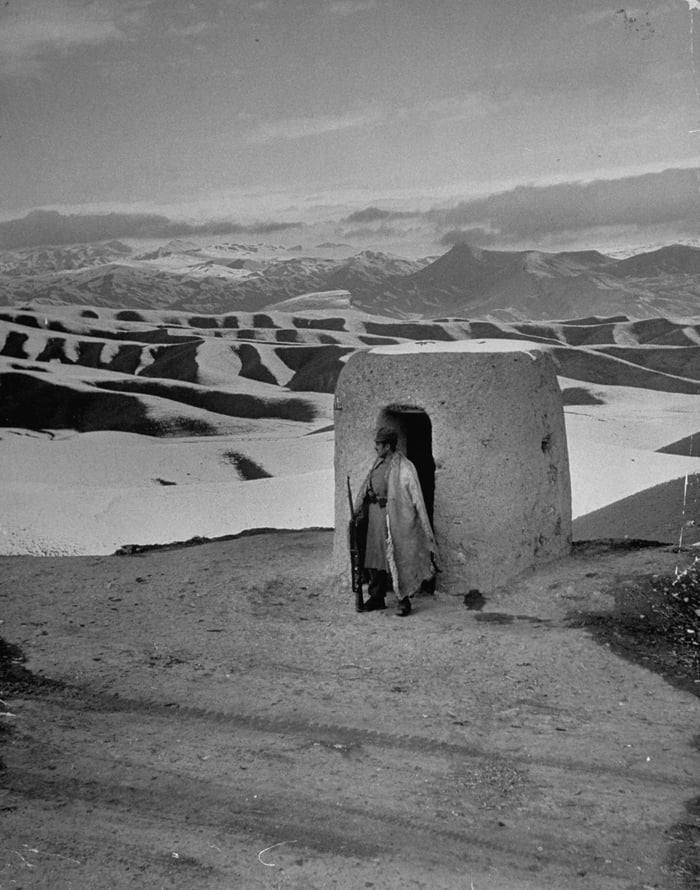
(91, 493)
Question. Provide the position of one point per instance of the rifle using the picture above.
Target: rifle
(357, 535)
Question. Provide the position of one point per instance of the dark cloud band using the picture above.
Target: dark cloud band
(530, 212)
(47, 227)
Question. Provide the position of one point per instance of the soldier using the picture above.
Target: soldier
(400, 543)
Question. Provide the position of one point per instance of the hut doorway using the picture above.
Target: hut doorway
(416, 442)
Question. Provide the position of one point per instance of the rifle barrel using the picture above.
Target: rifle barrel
(352, 509)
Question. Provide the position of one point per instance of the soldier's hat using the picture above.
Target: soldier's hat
(387, 436)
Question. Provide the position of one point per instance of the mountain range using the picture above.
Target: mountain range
(465, 281)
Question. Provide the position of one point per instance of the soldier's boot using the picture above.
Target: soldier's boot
(375, 603)
(404, 607)
(376, 590)
(360, 605)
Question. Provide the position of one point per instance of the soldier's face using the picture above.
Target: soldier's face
(382, 448)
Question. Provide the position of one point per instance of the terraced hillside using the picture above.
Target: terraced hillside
(96, 368)
(151, 416)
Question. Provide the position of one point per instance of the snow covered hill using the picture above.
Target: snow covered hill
(120, 426)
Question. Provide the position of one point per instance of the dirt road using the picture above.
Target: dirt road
(220, 717)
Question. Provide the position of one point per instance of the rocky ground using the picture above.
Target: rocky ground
(218, 716)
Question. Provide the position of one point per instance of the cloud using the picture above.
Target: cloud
(450, 109)
(477, 237)
(345, 8)
(375, 214)
(304, 127)
(443, 110)
(650, 206)
(372, 233)
(32, 28)
(533, 212)
(193, 30)
(49, 227)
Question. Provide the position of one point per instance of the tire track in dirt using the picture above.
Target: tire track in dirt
(175, 801)
(348, 735)
(539, 841)
(348, 831)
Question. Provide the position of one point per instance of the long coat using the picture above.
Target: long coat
(411, 549)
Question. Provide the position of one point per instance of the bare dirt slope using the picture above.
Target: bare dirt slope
(218, 716)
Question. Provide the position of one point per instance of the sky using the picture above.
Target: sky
(433, 115)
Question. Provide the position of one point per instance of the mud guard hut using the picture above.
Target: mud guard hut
(483, 423)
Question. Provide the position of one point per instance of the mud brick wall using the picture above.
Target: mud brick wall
(488, 416)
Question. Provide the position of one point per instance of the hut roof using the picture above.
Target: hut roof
(470, 346)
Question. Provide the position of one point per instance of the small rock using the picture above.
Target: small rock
(474, 599)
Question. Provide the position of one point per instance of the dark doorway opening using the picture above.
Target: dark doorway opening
(415, 433)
